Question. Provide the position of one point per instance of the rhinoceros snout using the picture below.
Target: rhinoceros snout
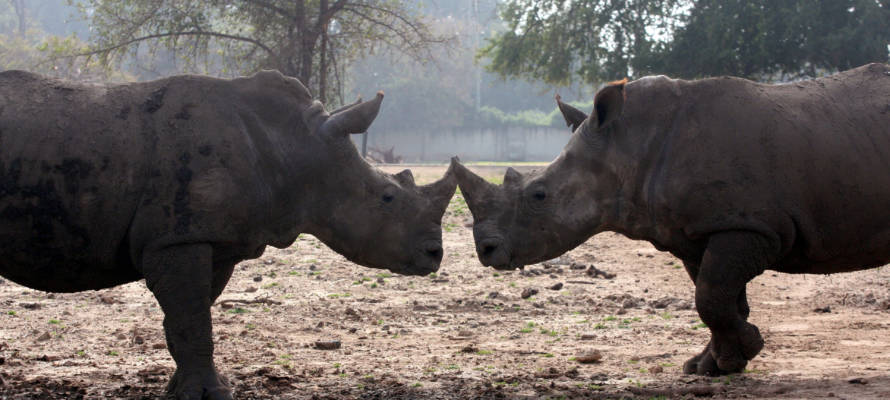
(493, 253)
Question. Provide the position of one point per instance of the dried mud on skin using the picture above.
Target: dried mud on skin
(463, 333)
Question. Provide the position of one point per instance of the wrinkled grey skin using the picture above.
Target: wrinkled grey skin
(177, 180)
(730, 176)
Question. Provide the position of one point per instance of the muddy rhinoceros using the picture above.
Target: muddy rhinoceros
(175, 181)
(732, 177)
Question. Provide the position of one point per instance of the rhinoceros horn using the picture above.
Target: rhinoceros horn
(440, 192)
(474, 189)
(354, 119)
(573, 116)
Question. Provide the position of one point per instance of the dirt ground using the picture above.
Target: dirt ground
(465, 332)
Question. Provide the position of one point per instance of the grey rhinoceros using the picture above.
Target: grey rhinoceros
(176, 180)
(732, 177)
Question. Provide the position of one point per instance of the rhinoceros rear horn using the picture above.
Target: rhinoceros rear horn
(405, 178)
(608, 103)
(474, 189)
(353, 119)
(573, 116)
(439, 193)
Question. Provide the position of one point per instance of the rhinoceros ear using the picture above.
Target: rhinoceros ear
(573, 116)
(608, 103)
(405, 178)
(348, 106)
(354, 119)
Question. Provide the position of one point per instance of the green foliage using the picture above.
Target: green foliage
(761, 38)
(556, 41)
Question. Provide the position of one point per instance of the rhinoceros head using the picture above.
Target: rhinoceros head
(373, 218)
(539, 215)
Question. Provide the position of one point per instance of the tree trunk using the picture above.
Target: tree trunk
(323, 60)
(19, 6)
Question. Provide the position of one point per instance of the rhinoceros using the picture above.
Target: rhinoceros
(731, 176)
(176, 180)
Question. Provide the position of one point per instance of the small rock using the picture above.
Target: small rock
(493, 295)
(557, 286)
(469, 349)
(47, 358)
(250, 289)
(577, 266)
(860, 381)
(588, 336)
(590, 357)
(528, 292)
(823, 310)
(31, 306)
(107, 299)
(258, 278)
(629, 303)
(159, 346)
(656, 369)
(269, 261)
(138, 339)
(312, 267)
(327, 344)
(225, 306)
(465, 333)
(121, 336)
(44, 337)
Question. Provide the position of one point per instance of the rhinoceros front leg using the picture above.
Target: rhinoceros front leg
(182, 280)
(704, 363)
(731, 260)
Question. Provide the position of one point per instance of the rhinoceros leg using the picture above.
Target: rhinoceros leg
(704, 363)
(182, 280)
(731, 260)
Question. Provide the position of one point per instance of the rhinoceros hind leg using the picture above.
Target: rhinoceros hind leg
(181, 278)
(730, 261)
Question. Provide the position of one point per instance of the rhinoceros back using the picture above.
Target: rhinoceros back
(72, 162)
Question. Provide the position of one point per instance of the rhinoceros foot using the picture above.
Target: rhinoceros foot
(203, 385)
(727, 352)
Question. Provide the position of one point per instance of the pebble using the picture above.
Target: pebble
(44, 337)
(327, 344)
(588, 336)
(250, 289)
(656, 369)
(590, 357)
(258, 278)
(528, 292)
(557, 286)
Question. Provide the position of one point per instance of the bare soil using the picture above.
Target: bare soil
(465, 332)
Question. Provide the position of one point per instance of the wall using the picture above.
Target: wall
(501, 144)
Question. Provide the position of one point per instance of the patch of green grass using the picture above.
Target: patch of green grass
(55, 321)
(417, 384)
(384, 275)
(599, 326)
(292, 273)
(10, 312)
(666, 315)
(81, 353)
(338, 295)
(548, 355)
(701, 325)
(270, 285)
(610, 318)
(483, 352)
(452, 366)
(238, 310)
(113, 353)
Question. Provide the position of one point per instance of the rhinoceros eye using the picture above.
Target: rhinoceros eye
(539, 194)
(387, 198)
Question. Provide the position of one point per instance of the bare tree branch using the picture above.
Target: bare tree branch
(126, 43)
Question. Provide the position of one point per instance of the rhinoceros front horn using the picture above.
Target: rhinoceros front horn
(440, 192)
(353, 119)
(474, 189)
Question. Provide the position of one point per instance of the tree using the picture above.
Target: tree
(762, 38)
(555, 41)
(309, 39)
(599, 40)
